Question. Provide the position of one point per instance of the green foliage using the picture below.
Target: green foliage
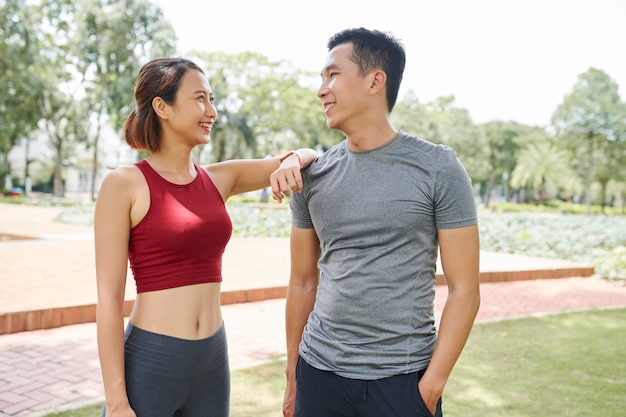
(114, 38)
(12, 200)
(586, 239)
(263, 107)
(69, 66)
(502, 150)
(593, 106)
(541, 165)
(94, 48)
(413, 117)
(551, 206)
(21, 83)
(260, 220)
(613, 265)
(591, 121)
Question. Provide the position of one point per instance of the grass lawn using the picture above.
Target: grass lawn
(571, 364)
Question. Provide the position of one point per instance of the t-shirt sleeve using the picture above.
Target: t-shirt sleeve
(455, 205)
(300, 216)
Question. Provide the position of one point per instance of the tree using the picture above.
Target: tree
(41, 86)
(113, 38)
(411, 116)
(75, 69)
(610, 165)
(63, 125)
(591, 114)
(504, 140)
(58, 103)
(263, 108)
(542, 163)
(20, 66)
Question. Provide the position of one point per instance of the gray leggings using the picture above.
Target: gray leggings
(167, 376)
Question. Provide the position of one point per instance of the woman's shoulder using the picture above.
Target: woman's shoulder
(126, 176)
(123, 173)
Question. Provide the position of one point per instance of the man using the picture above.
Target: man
(367, 227)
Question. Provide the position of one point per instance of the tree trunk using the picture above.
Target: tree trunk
(589, 174)
(603, 196)
(94, 168)
(58, 166)
(487, 194)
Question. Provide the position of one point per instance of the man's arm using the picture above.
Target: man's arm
(303, 281)
(460, 253)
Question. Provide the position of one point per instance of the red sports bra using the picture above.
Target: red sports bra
(182, 238)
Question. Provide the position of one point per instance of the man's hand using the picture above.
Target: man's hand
(289, 402)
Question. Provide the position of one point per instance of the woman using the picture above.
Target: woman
(167, 217)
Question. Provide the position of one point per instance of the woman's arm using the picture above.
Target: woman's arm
(111, 231)
(243, 175)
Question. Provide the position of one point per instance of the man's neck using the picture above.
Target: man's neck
(368, 139)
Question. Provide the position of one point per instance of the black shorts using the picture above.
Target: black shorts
(326, 394)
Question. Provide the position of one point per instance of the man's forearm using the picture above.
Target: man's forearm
(455, 326)
(299, 305)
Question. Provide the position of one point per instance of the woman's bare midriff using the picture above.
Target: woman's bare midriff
(192, 312)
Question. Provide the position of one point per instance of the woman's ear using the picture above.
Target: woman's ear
(160, 107)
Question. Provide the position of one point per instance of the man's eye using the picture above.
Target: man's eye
(330, 75)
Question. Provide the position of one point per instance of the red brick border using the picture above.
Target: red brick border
(63, 316)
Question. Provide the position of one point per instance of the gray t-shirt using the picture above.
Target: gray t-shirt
(376, 214)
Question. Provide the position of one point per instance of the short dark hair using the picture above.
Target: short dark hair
(374, 49)
(160, 77)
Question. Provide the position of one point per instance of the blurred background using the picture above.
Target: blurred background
(528, 93)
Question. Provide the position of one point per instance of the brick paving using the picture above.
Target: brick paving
(55, 368)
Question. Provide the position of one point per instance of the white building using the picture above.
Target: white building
(77, 169)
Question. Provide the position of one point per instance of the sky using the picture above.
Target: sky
(501, 59)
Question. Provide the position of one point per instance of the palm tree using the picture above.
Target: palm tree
(542, 163)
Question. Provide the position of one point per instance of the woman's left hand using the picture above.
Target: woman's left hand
(286, 179)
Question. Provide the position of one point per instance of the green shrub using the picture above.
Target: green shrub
(551, 206)
(612, 263)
